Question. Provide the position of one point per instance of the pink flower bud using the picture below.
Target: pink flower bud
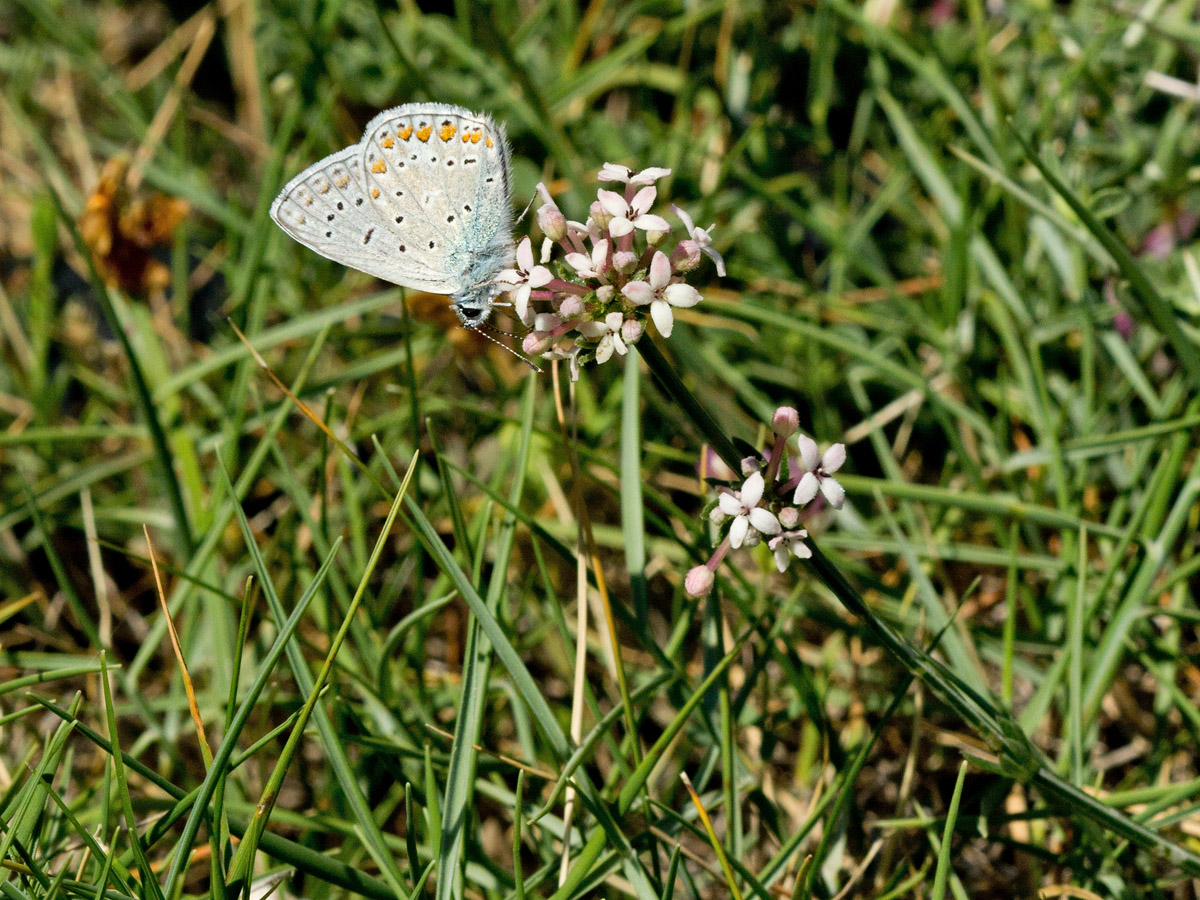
(685, 256)
(631, 330)
(786, 422)
(699, 581)
(534, 343)
(600, 216)
(552, 222)
(654, 238)
(789, 517)
(571, 307)
(718, 516)
(546, 322)
(750, 465)
(625, 261)
(605, 292)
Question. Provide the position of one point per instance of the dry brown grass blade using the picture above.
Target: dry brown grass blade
(162, 55)
(495, 754)
(205, 29)
(193, 707)
(241, 19)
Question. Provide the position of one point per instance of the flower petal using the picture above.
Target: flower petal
(708, 251)
(752, 490)
(649, 176)
(764, 521)
(614, 204)
(521, 301)
(810, 453)
(682, 295)
(525, 255)
(614, 172)
(737, 531)
(807, 489)
(592, 330)
(687, 221)
(604, 349)
(833, 458)
(834, 492)
(580, 263)
(638, 292)
(643, 199)
(781, 557)
(539, 276)
(648, 222)
(660, 270)
(664, 319)
(620, 227)
(801, 550)
(730, 505)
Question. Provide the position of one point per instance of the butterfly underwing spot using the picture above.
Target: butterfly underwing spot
(367, 236)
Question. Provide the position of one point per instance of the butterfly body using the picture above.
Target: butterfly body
(423, 201)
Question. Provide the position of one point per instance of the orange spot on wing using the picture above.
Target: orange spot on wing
(374, 193)
(424, 132)
(475, 136)
(387, 143)
(489, 143)
(404, 133)
(447, 132)
(379, 167)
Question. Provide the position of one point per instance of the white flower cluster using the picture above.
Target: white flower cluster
(760, 509)
(611, 274)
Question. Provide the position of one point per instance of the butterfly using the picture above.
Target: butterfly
(423, 201)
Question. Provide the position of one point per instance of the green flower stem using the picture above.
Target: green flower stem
(1018, 757)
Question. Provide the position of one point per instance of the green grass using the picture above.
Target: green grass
(938, 227)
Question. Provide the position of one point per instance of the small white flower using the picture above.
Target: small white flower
(627, 216)
(524, 278)
(614, 172)
(819, 474)
(589, 267)
(661, 294)
(743, 507)
(789, 543)
(702, 238)
(609, 334)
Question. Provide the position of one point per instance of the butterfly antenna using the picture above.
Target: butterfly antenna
(479, 329)
(525, 212)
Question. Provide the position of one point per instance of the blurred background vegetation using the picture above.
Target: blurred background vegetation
(961, 236)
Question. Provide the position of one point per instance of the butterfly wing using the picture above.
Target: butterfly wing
(441, 172)
(327, 209)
